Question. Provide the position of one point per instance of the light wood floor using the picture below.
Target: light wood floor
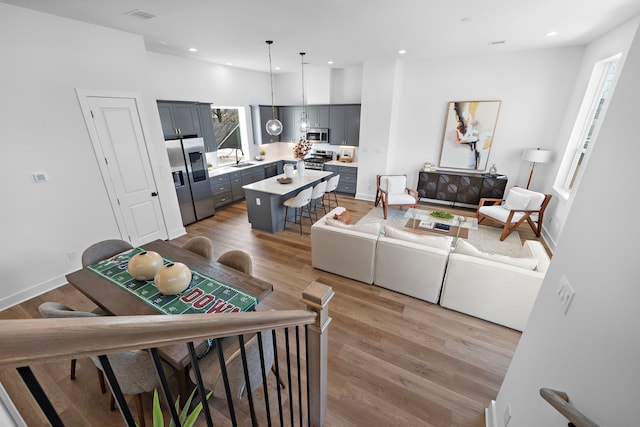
(393, 360)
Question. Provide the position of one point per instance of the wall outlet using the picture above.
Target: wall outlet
(507, 415)
(565, 293)
(258, 201)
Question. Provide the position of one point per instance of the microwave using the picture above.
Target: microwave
(320, 135)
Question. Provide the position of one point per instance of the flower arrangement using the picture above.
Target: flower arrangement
(301, 148)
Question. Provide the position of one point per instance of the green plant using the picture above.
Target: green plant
(263, 153)
(441, 215)
(186, 419)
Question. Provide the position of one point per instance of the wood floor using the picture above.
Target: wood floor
(393, 360)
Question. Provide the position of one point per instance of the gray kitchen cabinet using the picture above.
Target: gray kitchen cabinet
(252, 174)
(236, 185)
(221, 190)
(318, 116)
(289, 128)
(260, 115)
(206, 126)
(344, 124)
(179, 119)
(348, 178)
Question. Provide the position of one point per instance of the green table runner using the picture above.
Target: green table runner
(204, 294)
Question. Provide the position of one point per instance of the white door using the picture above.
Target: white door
(118, 138)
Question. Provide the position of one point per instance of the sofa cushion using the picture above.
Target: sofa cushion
(441, 242)
(373, 228)
(466, 248)
(344, 216)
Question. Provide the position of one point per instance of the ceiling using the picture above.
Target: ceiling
(234, 32)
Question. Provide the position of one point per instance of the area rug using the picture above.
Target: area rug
(485, 238)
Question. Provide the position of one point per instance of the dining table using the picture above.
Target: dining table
(118, 302)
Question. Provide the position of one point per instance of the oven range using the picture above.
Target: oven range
(317, 159)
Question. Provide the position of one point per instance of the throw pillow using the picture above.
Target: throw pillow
(373, 228)
(344, 216)
(441, 242)
(516, 201)
(466, 248)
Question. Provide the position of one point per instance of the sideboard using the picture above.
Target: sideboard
(460, 187)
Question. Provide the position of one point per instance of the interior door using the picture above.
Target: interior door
(118, 138)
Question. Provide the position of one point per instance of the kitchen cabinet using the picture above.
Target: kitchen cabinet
(206, 126)
(221, 190)
(458, 187)
(179, 119)
(344, 124)
(348, 182)
(318, 116)
(289, 116)
(260, 115)
(237, 193)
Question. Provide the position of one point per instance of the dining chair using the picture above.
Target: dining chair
(317, 194)
(392, 191)
(240, 260)
(136, 374)
(200, 245)
(53, 310)
(298, 203)
(103, 250)
(519, 206)
(332, 186)
(100, 251)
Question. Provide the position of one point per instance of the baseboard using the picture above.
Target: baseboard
(31, 292)
(177, 233)
(490, 419)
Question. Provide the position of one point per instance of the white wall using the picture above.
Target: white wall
(46, 59)
(592, 352)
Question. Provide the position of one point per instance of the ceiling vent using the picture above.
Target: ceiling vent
(140, 14)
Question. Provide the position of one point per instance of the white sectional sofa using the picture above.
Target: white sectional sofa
(492, 289)
(487, 286)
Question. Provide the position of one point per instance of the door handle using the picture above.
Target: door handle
(154, 194)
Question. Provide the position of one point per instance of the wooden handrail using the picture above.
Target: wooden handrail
(34, 341)
(560, 401)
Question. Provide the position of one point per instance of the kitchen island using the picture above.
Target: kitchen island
(265, 198)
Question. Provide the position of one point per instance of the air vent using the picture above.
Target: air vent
(140, 14)
(498, 42)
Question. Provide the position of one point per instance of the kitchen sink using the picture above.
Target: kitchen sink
(242, 165)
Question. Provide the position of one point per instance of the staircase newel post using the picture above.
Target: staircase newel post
(317, 296)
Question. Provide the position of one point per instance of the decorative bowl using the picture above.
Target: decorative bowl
(284, 180)
(173, 278)
(143, 266)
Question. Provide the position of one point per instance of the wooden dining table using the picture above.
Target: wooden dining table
(119, 302)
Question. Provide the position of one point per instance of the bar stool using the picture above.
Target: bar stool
(318, 194)
(298, 202)
(332, 186)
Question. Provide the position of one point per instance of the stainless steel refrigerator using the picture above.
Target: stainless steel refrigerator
(191, 178)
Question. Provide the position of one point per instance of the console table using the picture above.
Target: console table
(460, 187)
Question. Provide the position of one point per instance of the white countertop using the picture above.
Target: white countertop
(339, 163)
(272, 186)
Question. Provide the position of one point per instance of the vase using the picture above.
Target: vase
(173, 278)
(143, 266)
(301, 168)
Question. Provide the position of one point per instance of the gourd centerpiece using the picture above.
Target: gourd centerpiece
(173, 278)
(143, 266)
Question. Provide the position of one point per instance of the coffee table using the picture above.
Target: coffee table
(421, 221)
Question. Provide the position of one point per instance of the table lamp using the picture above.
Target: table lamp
(535, 156)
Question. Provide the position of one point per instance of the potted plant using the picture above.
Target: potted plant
(186, 419)
(261, 155)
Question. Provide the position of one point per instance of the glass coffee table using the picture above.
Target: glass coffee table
(421, 221)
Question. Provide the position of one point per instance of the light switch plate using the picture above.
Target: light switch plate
(40, 176)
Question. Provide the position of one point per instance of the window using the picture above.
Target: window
(230, 134)
(588, 123)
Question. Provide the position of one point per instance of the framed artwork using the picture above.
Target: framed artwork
(468, 134)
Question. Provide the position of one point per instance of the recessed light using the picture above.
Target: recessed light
(276, 68)
(163, 43)
(193, 49)
(330, 62)
(229, 63)
(402, 51)
(551, 34)
(465, 20)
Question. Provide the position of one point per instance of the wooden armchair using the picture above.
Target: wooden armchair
(520, 205)
(392, 191)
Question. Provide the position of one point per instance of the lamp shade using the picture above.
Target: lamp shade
(536, 156)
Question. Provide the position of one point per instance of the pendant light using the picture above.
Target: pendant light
(303, 125)
(274, 126)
